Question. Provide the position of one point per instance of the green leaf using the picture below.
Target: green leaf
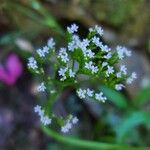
(130, 122)
(142, 97)
(115, 97)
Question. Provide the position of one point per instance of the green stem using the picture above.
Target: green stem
(88, 144)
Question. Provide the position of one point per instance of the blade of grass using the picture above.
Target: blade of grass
(87, 144)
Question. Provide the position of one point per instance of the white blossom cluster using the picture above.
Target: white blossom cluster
(122, 52)
(69, 123)
(43, 118)
(131, 78)
(97, 29)
(42, 52)
(63, 55)
(63, 72)
(90, 66)
(83, 93)
(41, 87)
(32, 63)
(73, 28)
(94, 59)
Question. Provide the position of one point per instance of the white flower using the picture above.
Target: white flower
(73, 28)
(131, 78)
(44, 119)
(108, 56)
(89, 92)
(90, 66)
(71, 73)
(42, 52)
(37, 109)
(105, 48)
(118, 74)
(75, 120)
(75, 43)
(100, 97)
(109, 71)
(45, 49)
(41, 87)
(89, 53)
(81, 93)
(119, 87)
(32, 63)
(96, 41)
(51, 43)
(123, 69)
(64, 129)
(99, 30)
(63, 55)
(69, 123)
(104, 64)
(62, 72)
(122, 52)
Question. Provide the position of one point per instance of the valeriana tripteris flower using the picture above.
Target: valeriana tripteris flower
(119, 87)
(71, 73)
(63, 55)
(73, 28)
(131, 78)
(100, 97)
(81, 93)
(122, 52)
(32, 63)
(123, 69)
(110, 70)
(89, 92)
(43, 52)
(97, 29)
(62, 72)
(90, 66)
(51, 43)
(69, 123)
(86, 60)
(41, 87)
(43, 118)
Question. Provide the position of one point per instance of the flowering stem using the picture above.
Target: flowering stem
(87, 144)
(50, 100)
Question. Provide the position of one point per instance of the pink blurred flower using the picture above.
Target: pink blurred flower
(11, 71)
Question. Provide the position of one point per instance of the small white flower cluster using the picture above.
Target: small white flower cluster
(122, 52)
(109, 71)
(119, 87)
(41, 87)
(51, 43)
(97, 29)
(100, 97)
(43, 118)
(69, 123)
(72, 29)
(105, 48)
(32, 63)
(74, 43)
(131, 78)
(63, 73)
(63, 55)
(90, 66)
(42, 52)
(89, 57)
(83, 93)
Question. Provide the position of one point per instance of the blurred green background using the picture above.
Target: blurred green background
(26, 25)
